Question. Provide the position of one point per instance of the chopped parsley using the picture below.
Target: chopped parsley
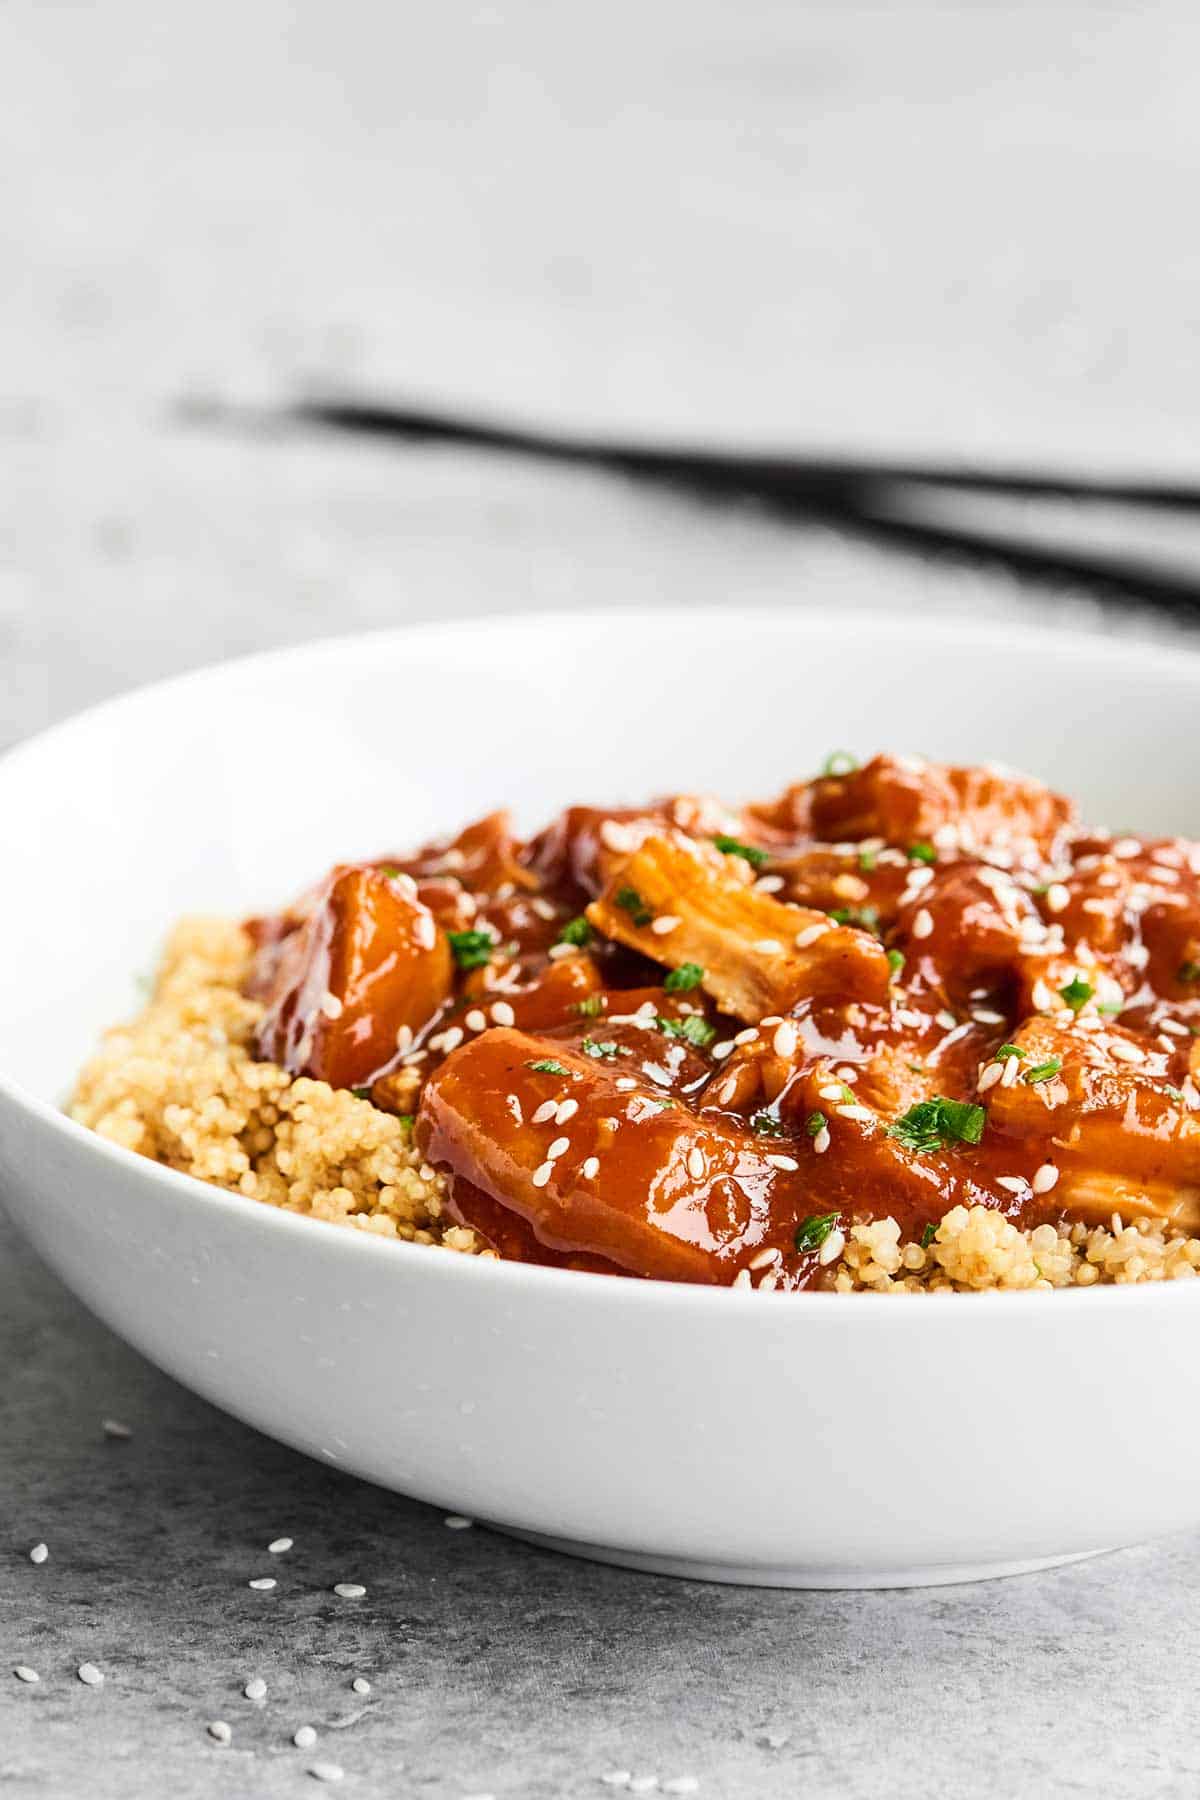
(729, 846)
(839, 762)
(408, 1120)
(546, 1065)
(576, 931)
(927, 1236)
(815, 1124)
(1188, 971)
(1005, 1051)
(391, 870)
(472, 949)
(922, 852)
(895, 963)
(361, 1093)
(932, 1124)
(812, 1232)
(592, 1007)
(684, 978)
(630, 901)
(766, 1124)
(695, 1028)
(1077, 993)
(1044, 1071)
(867, 860)
(865, 917)
(603, 1052)
(1173, 1093)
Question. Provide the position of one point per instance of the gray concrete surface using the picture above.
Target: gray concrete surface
(909, 228)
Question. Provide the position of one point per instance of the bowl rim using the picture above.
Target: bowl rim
(1174, 661)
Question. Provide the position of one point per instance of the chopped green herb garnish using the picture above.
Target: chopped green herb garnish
(895, 962)
(684, 978)
(766, 1124)
(927, 1236)
(592, 1007)
(1077, 993)
(472, 949)
(867, 860)
(865, 917)
(391, 870)
(815, 1124)
(1173, 1092)
(932, 1124)
(408, 1120)
(812, 1232)
(839, 762)
(729, 846)
(1044, 1071)
(1007, 1050)
(656, 1100)
(546, 1065)
(630, 901)
(1188, 971)
(603, 1052)
(922, 853)
(576, 931)
(361, 1093)
(917, 1068)
(1110, 1008)
(695, 1028)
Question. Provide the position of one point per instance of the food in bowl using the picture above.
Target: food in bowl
(905, 1027)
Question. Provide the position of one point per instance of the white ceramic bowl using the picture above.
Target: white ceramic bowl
(809, 1439)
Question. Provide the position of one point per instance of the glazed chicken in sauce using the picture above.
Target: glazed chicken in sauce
(688, 1041)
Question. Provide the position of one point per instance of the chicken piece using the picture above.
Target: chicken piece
(670, 901)
(964, 925)
(906, 801)
(484, 858)
(368, 963)
(547, 994)
(594, 1162)
(1099, 1101)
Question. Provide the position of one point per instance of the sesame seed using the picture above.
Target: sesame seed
(349, 1590)
(1044, 1179)
(946, 1020)
(304, 1737)
(262, 1583)
(1058, 897)
(38, 1554)
(742, 1279)
(922, 925)
(424, 931)
(476, 1020)
(719, 1051)
(809, 935)
(567, 1110)
(556, 952)
(23, 1672)
(546, 1111)
(361, 1685)
(831, 1091)
(542, 1174)
(762, 1259)
(768, 884)
(1125, 1052)
(220, 1732)
(543, 908)
(591, 1168)
(696, 1163)
(113, 1428)
(404, 1037)
(993, 1073)
(786, 1163)
(768, 947)
(1011, 1068)
(448, 1040)
(277, 1546)
(1043, 999)
(558, 1148)
(502, 1013)
(457, 1522)
(768, 1284)
(862, 1114)
(785, 1039)
(331, 1006)
(255, 1688)
(1014, 1183)
(90, 1675)
(982, 1016)
(625, 1083)
(326, 1771)
(822, 1141)
(832, 1248)
(664, 924)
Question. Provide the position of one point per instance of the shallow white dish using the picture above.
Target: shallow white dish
(813, 1440)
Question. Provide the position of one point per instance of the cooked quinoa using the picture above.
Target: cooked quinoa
(179, 1084)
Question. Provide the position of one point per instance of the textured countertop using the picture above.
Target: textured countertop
(241, 201)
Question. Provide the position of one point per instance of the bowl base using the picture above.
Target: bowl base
(771, 1576)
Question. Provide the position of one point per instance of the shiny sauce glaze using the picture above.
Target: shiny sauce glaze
(687, 1040)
